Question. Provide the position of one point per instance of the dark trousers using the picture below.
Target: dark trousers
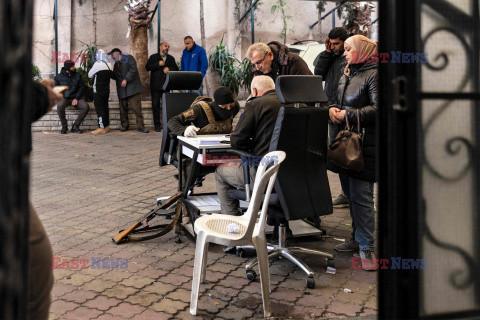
(135, 103)
(360, 194)
(82, 106)
(40, 275)
(157, 108)
(100, 100)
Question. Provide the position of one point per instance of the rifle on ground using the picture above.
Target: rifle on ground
(150, 232)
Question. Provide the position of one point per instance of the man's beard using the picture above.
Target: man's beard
(164, 52)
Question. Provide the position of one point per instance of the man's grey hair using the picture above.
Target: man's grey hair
(263, 83)
(260, 47)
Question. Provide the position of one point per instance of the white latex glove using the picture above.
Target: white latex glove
(191, 131)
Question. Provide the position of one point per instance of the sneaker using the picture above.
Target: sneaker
(369, 262)
(76, 129)
(64, 130)
(341, 201)
(143, 130)
(106, 130)
(349, 246)
(123, 129)
(98, 131)
(158, 128)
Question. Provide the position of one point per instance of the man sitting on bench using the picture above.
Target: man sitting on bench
(205, 117)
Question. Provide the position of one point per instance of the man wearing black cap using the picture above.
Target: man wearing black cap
(129, 88)
(72, 96)
(206, 117)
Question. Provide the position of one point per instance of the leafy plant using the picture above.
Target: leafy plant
(245, 74)
(233, 73)
(87, 58)
(36, 74)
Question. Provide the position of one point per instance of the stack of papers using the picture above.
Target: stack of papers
(209, 141)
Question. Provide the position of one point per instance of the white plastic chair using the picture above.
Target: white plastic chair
(214, 228)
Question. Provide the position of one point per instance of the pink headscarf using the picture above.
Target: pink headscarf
(363, 50)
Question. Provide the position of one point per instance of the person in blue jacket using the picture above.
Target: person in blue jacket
(194, 58)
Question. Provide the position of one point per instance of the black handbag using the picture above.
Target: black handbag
(346, 150)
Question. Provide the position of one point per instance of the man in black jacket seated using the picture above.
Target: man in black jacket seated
(72, 96)
(330, 65)
(252, 134)
(159, 64)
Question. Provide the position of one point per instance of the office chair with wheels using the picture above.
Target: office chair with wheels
(302, 189)
(173, 104)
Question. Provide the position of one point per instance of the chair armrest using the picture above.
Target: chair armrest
(171, 148)
(246, 160)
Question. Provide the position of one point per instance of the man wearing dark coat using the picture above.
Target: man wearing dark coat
(129, 88)
(275, 59)
(72, 96)
(330, 65)
(159, 64)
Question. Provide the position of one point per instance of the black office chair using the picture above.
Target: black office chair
(302, 190)
(175, 103)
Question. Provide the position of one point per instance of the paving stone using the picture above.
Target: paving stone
(59, 289)
(169, 306)
(234, 282)
(159, 288)
(152, 315)
(82, 313)
(102, 303)
(223, 293)
(137, 282)
(79, 296)
(348, 309)
(107, 316)
(354, 297)
(233, 312)
(77, 279)
(143, 298)
(372, 303)
(175, 279)
(120, 292)
(126, 310)
(222, 267)
(98, 285)
(180, 294)
(313, 301)
(285, 294)
(61, 307)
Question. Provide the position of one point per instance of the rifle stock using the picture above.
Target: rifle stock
(119, 237)
(122, 235)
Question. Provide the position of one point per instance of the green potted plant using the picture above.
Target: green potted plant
(230, 72)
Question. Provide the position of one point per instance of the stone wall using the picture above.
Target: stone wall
(178, 19)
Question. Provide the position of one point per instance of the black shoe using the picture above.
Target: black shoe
(158, 128)
(76, 129)
(123, 129)
(143, 130)
(341, 201)
(64, 130)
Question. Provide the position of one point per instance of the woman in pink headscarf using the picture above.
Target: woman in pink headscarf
(358, 90)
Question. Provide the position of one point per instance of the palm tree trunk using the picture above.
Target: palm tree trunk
(94, 4)
(139, 48)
